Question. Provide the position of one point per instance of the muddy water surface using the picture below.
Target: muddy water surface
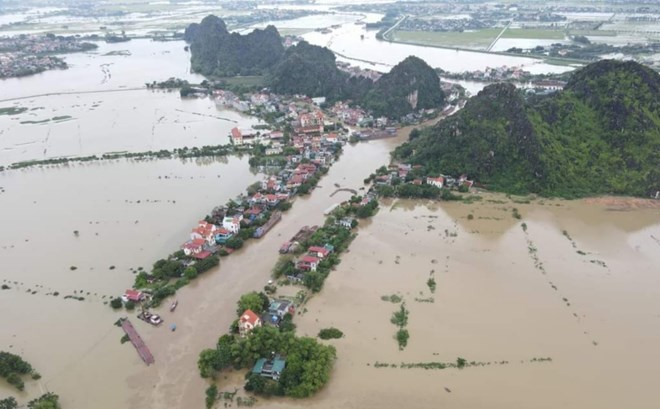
(587, 299)
(127, 214)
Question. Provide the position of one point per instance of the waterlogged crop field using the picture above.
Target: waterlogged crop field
(477, 39)
(468, 39)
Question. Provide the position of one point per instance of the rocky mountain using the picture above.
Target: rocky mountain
(216, 52)
(309, 70)
(600, 135)
(411, 85)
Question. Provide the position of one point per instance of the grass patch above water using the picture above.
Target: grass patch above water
(12, 110)
(392, 298)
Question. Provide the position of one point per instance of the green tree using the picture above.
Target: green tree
(235, 242)
(116, 303)
(8, 403)
(46, 401)
(190, 273)
(257, 302)
(287, 323)
(223, 356)
(211, 396)
(207, 363)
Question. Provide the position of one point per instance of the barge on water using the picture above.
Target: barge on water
(261, 230)
(302, 235)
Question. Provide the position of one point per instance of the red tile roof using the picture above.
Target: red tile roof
(320, 250)
(133, 295)
(309, 259)
(202, 255)
(249, 317)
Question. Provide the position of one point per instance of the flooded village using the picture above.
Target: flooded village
(517, 301)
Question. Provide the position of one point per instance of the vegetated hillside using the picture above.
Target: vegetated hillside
(311, 70)
(216, 52)
(410, 85)
(600, 135)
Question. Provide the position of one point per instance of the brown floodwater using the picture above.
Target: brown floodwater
(591, 303)
(100, 105)
(97, 123)
(127, 214)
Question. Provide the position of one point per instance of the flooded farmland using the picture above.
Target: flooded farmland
(127, 215)
(578, 286)
(557, 308)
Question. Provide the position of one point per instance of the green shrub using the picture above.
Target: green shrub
(330, 333)
(211, 396)
(400, 317)
(116, 303)
(402, 336)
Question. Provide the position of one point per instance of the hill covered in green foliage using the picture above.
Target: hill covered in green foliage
(411, 85)
(600, 135)
(216, 52)
(310, 70)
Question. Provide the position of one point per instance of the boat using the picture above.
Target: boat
(173, 305)
(285, 247)
(153, 319)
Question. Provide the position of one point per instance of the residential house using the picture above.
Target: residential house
(320, 252)
(272, 184)
(437, 182)
(463, 180)
(253, 212)
(269, 368)
(273, 150)
(280, 308)
(232, 223)
(383, 179)
(222, 235)
(295, 181)
(205, 231)
(248, 321)
(132, 295)
(308, 263)
(311, 123)
(347, 222)
(258, 198)
(272, 200)
(192, 247)
(246, 136)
